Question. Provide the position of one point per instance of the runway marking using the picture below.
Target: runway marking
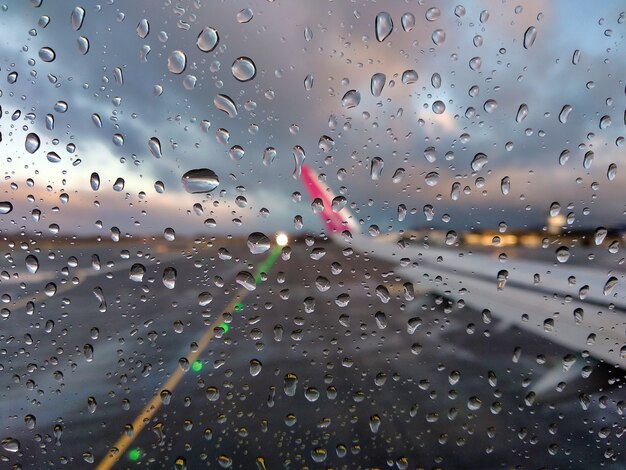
(144, 417)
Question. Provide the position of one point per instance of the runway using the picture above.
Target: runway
(313, 370)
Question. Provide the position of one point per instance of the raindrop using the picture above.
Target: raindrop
(564, 157)
(308, 34)
(432, 178)
(83, 44)
(439, 107)
(236, 153)
(12, 77)
(611, 172)
(435, 80)
(351, 99)
(475, 63)
(243, 69)
(376, 168)
(503, 276)
(398, 175)
(505, 185)
(201, 180)
(384, 26)
(529, 37)
(47, 54)
(10, 444)
(564, 114)
(576, 57)
(588, 159)
(609, 286)
(177, 62)
(244, 15)
(430, 154)
(137, 272)
(438, 37)
(226, 104)
(207, 39)
(308, 82)
(94, 180)
(269, 154)
(522, 112)
(459, 11)
(326, 144)
(119, 184)
(32, 143)
(246, 280)
(479, 161)
(77, 17)
(154, 145)
(433, 14)
(143, 28)
(258, 243)
(562, 254)
(408, 21)
(169, 278)
(605, 121)
(377, 83)
(298, 157)
(409, 76)
(490, 106)
(599, 235)
(32, 264)
(255, 367)
(53, 157)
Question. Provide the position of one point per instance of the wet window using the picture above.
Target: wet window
(295, 234)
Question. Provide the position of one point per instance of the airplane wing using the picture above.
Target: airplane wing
(575, 306)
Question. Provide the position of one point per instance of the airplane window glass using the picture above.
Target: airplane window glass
(295, 234)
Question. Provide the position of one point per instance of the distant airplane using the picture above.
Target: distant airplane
(578, 307)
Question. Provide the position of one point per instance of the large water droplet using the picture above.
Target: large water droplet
(47, 54)
(563, 115)
(351, 99)
(244, 15)
(562, 254)
(269, 154)
(610, 285)
(169, 278)
(258, 243)
(10, 444)
(522, 112)
(201, 180)
(207, 39)
(384, 26)
(529, 37)
(490, 106)
(377, 83)
(143, 28)
(479, 161)
(611, 172)
(94, 180)
(409, 76)
(376, 168)
(5, 207)
(177, 62)
(32, 142)
(154, 145)
(298, 156)
(226, 104)
(137, 272)
(408, 21)
(439, 36)
(439, 107)
(77, 17)
(246, 280)
(32, 264)
(243, 69)
(83, 44)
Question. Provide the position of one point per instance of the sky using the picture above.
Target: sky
(334, 44)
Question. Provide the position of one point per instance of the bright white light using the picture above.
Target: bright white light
(282, 239)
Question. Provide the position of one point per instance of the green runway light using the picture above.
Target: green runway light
(224, 326)
(134, 454)
(196, 366)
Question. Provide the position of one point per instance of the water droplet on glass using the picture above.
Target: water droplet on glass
(562, 254)
(439, 107)
(438, 37)
(201, 180)
(409, 76)
(576, 57)
(599, 235)
(255, 367)
(77, 17)
(269, 154)
(475, 63)
(258, 243)
(207, 39)
(503, 276)
(143, 28)
(154, 145)
(32, 264)
(398, 175)
(611, 172)
(564, 157)
(605, 121)
(83, 44)
(479, 161)
(137, 272)
(169, 278)
(32, 142)
(522, 112)
(451, 238)
(53, 157)
(308, 34)
(94, 180)
(351, 99)
(408, 21)
(432, 178)
(435, 80)
(377, 83)
(384, 26)
(226, 104)
(246, 280)
(177, 62)
(588, 159)
(245, 15)
(563, 115)
(433, 14)
(308, 82)
(610, 285)
(298, 157)
(490, 106)
(529, 37)
(47, 54)
(243, 69)
(10, 444)
(376, 168)
(505, 185)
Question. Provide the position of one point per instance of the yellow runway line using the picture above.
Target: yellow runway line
(144, 417)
